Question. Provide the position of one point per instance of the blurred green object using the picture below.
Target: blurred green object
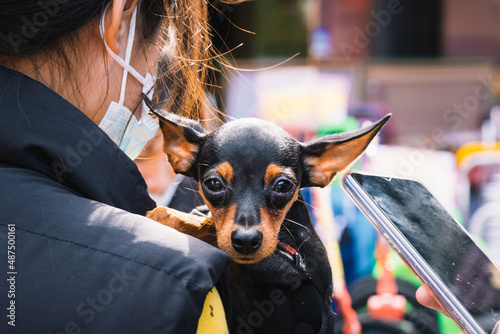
(280, 28)
(350, 123)
(446, 325)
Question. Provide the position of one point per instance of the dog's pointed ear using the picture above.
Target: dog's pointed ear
(182, 138)
(326, 156)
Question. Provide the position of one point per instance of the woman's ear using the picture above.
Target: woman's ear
(119, 13)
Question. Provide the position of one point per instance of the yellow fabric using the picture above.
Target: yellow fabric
(213, 318)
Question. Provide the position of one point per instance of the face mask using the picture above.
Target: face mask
(119, 123)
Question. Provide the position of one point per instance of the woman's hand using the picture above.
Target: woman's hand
(425, 298)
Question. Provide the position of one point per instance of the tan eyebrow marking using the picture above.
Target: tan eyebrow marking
(273, 171)
(226, 171)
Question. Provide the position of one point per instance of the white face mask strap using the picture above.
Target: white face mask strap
(125, 63)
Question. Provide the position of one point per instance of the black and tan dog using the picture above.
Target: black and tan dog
(250, 173)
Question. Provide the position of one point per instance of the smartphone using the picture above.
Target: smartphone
(433, 244)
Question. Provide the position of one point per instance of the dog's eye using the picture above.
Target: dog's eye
(214, 185)
(283, 186)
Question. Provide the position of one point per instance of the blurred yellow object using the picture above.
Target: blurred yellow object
(474, 147)
(213, 317)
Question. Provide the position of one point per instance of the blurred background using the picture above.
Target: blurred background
(323, 66)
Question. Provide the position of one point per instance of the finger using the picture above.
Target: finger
(426, 298)
(496, 329)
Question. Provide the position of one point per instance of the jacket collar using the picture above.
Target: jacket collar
(41, 131)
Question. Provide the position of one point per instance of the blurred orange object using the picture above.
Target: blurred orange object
(351, 322)
(386, 304)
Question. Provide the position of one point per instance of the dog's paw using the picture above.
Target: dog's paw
(199, 227)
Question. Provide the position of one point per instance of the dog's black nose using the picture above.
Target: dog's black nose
(246, 241)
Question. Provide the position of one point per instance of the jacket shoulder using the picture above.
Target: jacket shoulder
(90, 266)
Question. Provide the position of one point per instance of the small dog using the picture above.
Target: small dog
(250, 173)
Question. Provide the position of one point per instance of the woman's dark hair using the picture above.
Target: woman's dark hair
(29, 28)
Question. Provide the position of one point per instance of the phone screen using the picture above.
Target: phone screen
(441, 242)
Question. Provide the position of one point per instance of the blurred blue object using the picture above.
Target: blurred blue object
(357, 236)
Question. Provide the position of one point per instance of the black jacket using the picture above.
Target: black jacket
(83, 258)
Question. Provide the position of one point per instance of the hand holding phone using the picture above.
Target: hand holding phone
(425, 298)
(435, 247)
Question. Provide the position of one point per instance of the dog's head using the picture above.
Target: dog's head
(250, 172)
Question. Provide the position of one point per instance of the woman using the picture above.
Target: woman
(82, 257)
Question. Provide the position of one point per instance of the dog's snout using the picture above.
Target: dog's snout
(246, 241)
